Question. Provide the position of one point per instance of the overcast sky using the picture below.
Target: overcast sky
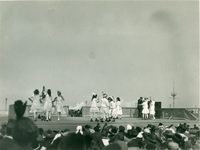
(127, 49)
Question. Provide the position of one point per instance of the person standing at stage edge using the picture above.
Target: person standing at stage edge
(139, 107)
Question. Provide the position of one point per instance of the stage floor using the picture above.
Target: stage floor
(71, 122)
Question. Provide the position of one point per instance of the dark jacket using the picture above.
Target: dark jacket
(7, 144)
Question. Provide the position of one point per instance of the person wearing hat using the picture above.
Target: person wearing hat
(139, 107)
(94, 109)
(97, 138)
(48, 137)
(104, 108)
(167, 138)
(59, 104)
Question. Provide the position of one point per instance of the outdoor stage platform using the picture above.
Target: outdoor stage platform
(71, 122)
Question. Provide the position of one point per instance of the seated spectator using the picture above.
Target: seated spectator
(7, 143)
(97, 138)
(177, 142)
(167, 138)
(113, 134)
(2, 131)
(55, 144)
(140, 132)
(87, 130)
(120, 133)
(134, 140)
(72, 141)
(48, 138)
(36, 145)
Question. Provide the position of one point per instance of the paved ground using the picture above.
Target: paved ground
(72, 122)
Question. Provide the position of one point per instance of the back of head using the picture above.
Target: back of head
(24, 130)
(72, 141)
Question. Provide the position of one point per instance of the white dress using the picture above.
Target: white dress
(152, 108)
(94, 108)
(119, 109)
(59, 105)
(145, 109)
(36, 106)
(48, 103)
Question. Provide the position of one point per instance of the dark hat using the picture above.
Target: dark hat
(49, 134)
(114, 130)
(97, 129)
(160, 124)
(88, 126)
(151, 139)
(121, 128)
(177, 138)
(168, 132)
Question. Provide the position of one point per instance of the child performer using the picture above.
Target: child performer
(48, 105)
(145, 109)
(119, 109)
(37, 105)
(111, 108)
(59, 104)
(104, 108)
(94, 109)
(151, 109)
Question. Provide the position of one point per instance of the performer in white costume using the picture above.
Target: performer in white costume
(37, 105)
(151, 109)
(104, 108)
(59, 104)
(145, 109)
(111, 108)
(48, 105)
(119, 109)
(94, 109)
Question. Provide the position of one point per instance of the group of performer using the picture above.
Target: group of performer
(43, 104)
(146, 108)
(110, 108)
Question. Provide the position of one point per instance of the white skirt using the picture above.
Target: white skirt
(94, 109)
(145, 111)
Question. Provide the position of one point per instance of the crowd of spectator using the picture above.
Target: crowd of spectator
(23, 134)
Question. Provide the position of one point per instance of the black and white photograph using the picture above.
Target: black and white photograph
(99, 75)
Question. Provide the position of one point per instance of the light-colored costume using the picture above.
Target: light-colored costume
(36, 106)
(59, 105)
(104, 108)
(48, 103)
(119, 109)
(94, 108)
(111, 110)
(145, 109)
(152, 108)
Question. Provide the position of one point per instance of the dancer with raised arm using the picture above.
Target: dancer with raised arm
(48, 105)
(94, 109)
(59, 104)
(37, 104)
